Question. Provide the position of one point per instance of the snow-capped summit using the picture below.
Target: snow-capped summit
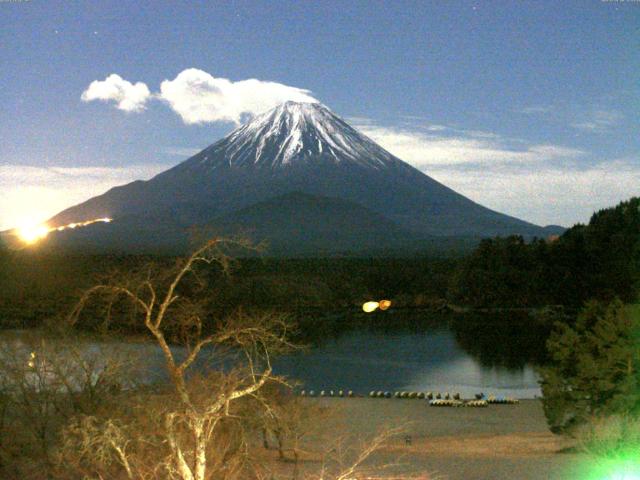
(297, 171)
(295, 132)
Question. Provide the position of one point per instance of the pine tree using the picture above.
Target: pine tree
(595, 365)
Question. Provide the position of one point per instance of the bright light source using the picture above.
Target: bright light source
(32, 233)
(624, 475)
(373, 306)
(82, 224)
(622, 465)
(370, 306)
(384, 304)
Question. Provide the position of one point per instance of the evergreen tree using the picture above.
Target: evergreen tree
(600, 260)
(595, 365)
(501, 272)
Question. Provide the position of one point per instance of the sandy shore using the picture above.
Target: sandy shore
(496, 442)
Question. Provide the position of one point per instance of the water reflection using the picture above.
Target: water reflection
(465, 355)
(418, 352)
(511, 340)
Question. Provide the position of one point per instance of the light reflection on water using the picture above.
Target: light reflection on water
(423, 361)
(362, 361)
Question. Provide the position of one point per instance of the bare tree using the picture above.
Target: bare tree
(287, 420)
(47, 379)
(348, 459)
(173, 309)
(202, 425)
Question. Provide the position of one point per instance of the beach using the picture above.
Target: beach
(495, 442)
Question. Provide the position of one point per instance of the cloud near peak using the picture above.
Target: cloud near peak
(198, 97)
(426, 150)
(126, 95)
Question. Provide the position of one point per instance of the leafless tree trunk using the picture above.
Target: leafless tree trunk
(165, 309)
(200, 432)
(45, 380)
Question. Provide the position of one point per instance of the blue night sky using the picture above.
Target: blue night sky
(530, 108)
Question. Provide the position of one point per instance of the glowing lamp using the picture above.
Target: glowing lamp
(370, 306)
(384, 304)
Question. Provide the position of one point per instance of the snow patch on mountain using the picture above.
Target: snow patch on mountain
(297, 132)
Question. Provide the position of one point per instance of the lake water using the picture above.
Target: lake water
(430, 360)
(464, 356)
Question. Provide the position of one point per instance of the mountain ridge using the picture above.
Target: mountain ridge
(299, 147)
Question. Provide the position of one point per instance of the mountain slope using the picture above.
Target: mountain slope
(301, 223)
(298, 147)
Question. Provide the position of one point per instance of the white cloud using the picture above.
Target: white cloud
(34, 194)
(359, 120)
(546, 195)
(127, 96)
(536, 110)
(479, 134)
(198, 97)
(423, 150)
(540, 183)
(599, 121)
(181, 151)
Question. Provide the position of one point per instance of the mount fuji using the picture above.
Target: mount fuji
(297, 176)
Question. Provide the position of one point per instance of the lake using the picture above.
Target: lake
(464, 354)
(428, 360)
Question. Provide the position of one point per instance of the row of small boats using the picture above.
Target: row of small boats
(477, 402)
(435, 399)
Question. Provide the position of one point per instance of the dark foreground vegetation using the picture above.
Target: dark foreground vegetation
(591, 377)
(598, 261)
(578, 290)
(81, 405)
(36, 286)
